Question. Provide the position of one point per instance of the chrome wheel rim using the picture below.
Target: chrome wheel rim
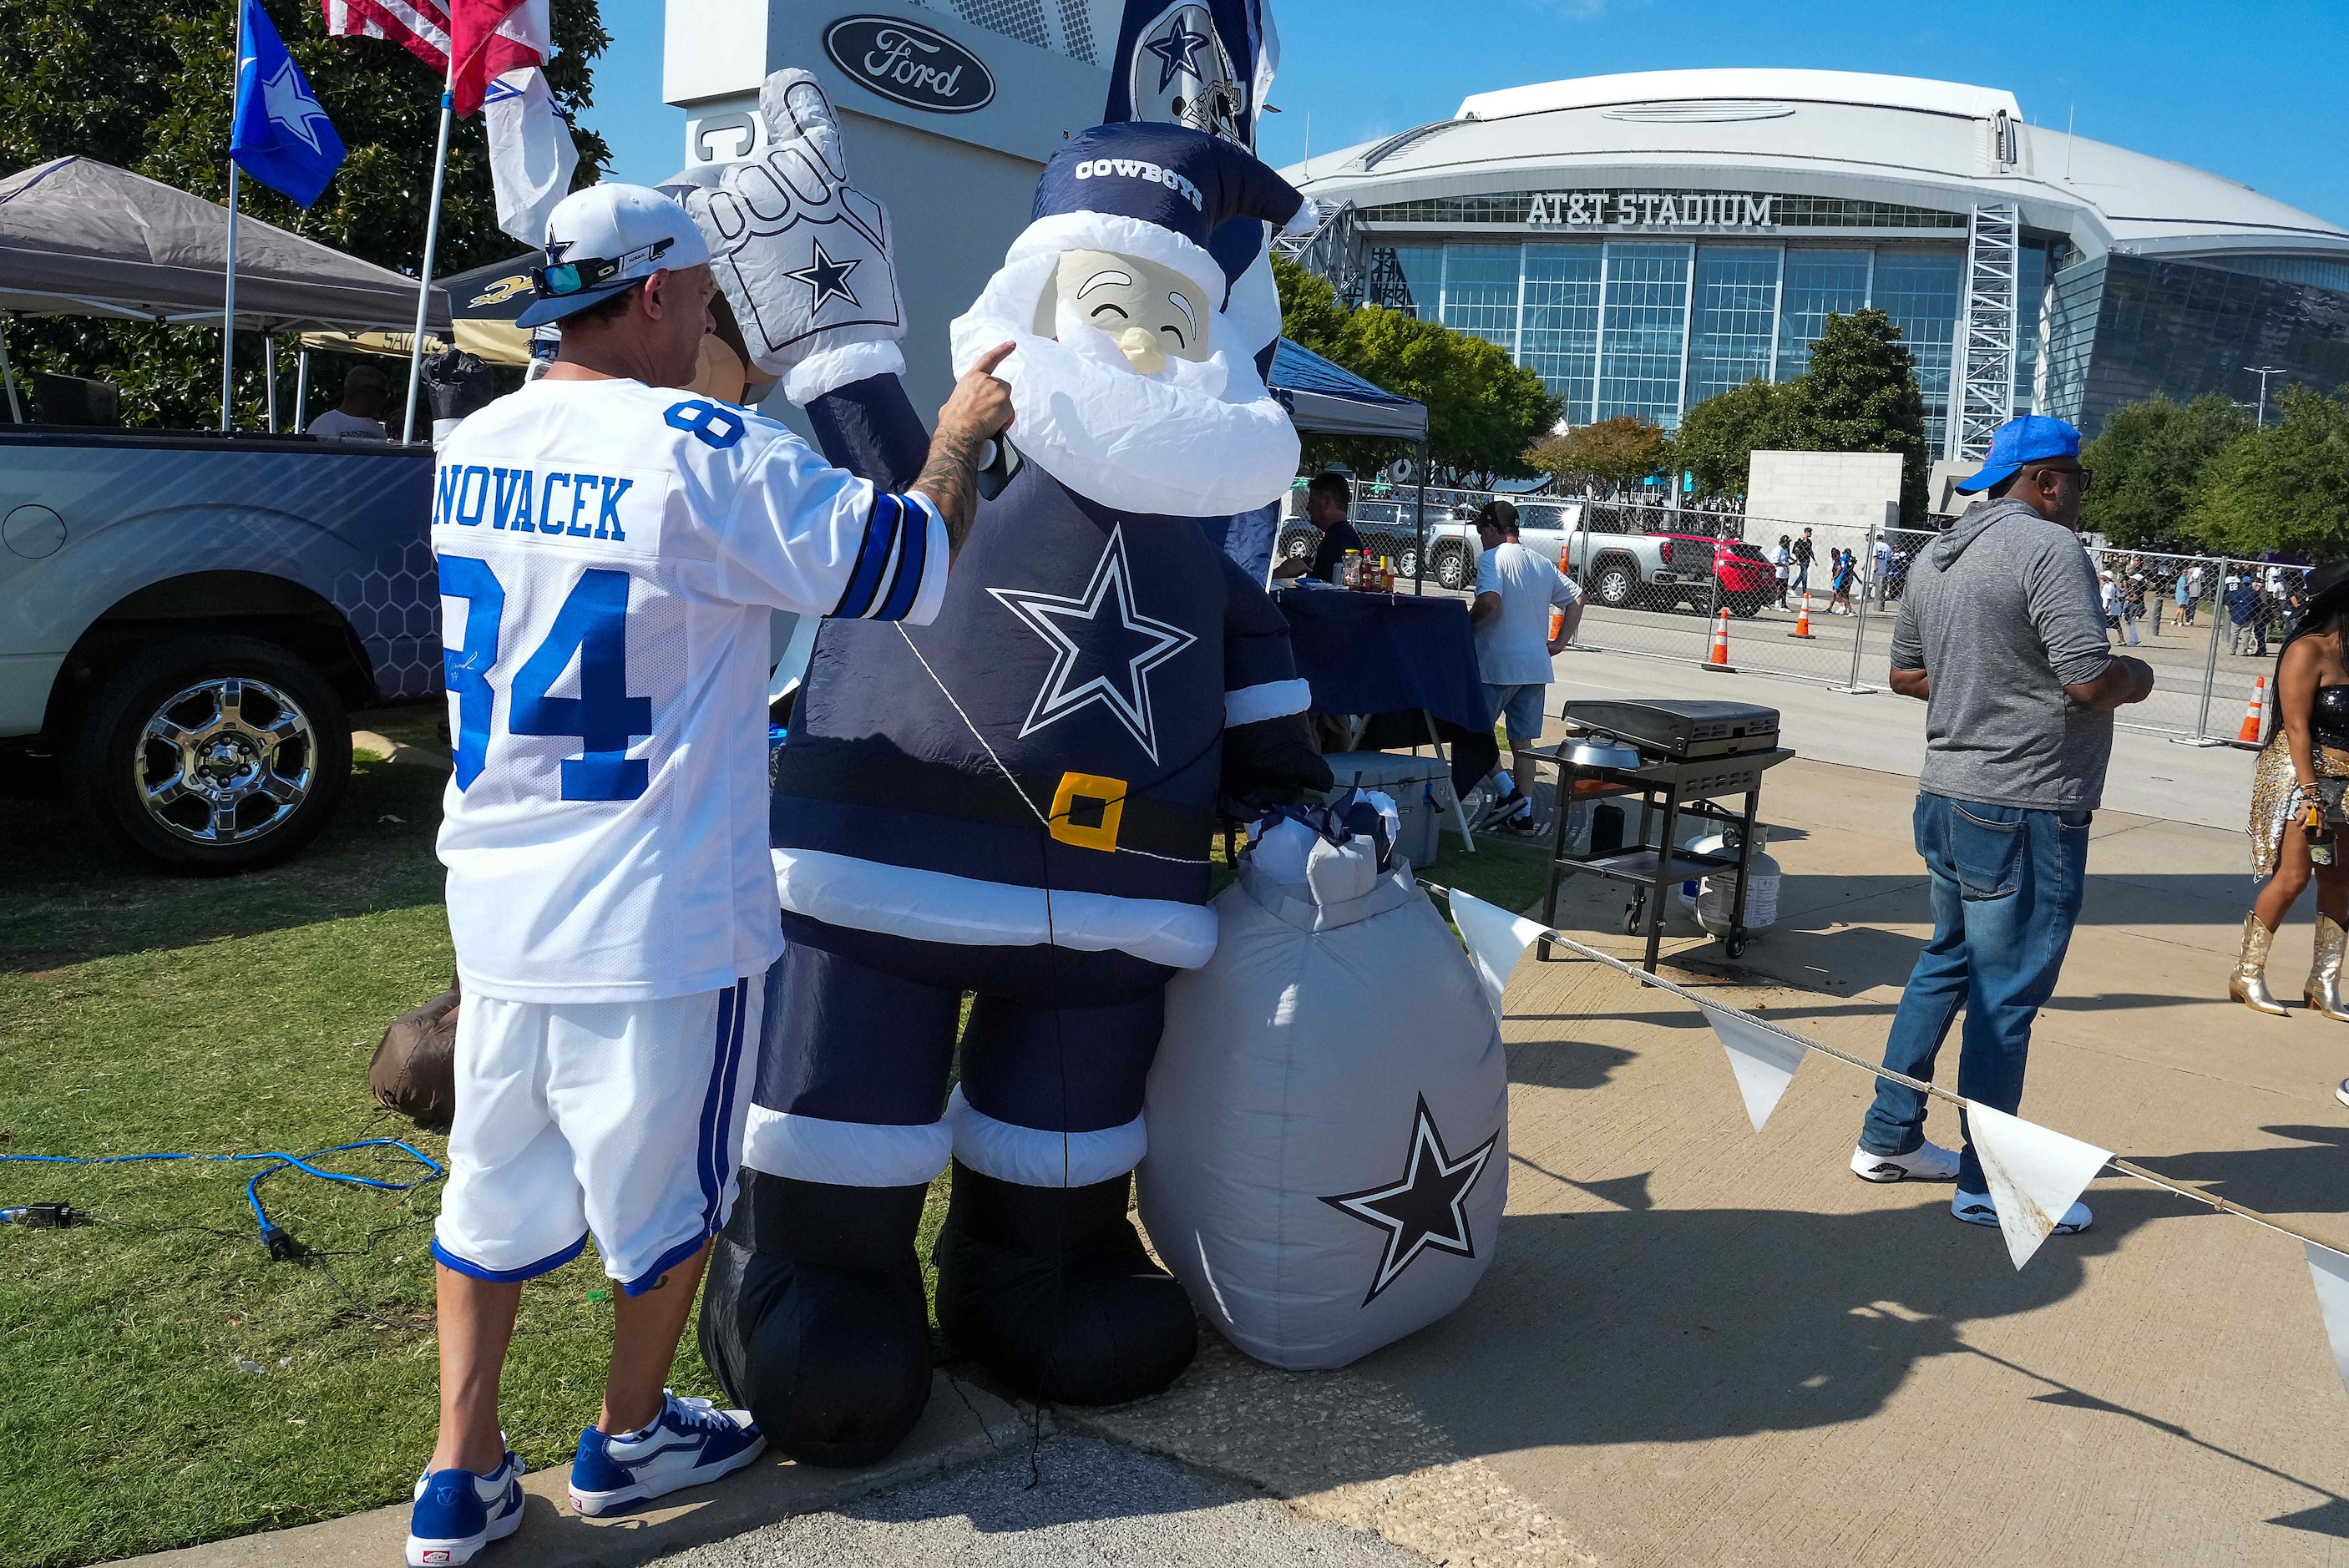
(224, 761)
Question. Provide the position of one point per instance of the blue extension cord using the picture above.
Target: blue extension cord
(279, 1243)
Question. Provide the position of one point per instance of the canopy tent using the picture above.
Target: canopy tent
(1325, 399)
(79, 237)
(484, 303)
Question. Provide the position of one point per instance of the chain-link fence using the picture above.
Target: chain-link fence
(1656, 580)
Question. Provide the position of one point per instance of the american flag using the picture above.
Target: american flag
(492, 36)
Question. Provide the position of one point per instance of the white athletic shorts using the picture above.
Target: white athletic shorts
(622, 1120)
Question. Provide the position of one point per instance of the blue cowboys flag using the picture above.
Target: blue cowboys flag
(282, 138)
(1205, 64)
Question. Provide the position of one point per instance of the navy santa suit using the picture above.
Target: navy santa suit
(1016, 801)
(1100, 655)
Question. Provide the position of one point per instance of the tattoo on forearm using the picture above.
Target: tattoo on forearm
(950, 480)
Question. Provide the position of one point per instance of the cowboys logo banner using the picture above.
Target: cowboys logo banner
(1206, 64)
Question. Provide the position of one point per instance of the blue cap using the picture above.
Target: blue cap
(2033, 438)
(1170, 175)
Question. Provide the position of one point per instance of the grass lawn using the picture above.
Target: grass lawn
(143, 1013)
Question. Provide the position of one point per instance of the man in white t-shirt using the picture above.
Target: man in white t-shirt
(360, 416)
(1515, 590)
(610, 550)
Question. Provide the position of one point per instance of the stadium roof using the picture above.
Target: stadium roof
(1895, 139)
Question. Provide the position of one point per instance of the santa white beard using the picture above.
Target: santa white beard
(1196, 440)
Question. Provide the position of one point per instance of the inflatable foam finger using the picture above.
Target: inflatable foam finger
(1327, 1113)
(802, 258)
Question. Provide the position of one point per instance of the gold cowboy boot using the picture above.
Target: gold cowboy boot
(2323, 990)
(2248, 984)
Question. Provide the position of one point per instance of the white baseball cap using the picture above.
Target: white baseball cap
(605, 239)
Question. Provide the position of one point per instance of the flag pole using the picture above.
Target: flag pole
(432, 239)
(228, 304)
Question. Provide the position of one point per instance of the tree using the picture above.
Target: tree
(150, 93)
(2149, 461)
(1860, 395)
(1622, 450)
(1482, 409)
(2284, 490)
(1718, 437)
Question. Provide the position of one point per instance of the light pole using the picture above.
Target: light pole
(2264, 372)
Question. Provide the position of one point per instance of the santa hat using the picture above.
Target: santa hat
(1161, 192)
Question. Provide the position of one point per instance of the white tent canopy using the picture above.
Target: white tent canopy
(79, 237)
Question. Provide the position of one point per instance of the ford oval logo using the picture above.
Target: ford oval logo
(909, 65)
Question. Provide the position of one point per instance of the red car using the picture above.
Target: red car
(1748, 581)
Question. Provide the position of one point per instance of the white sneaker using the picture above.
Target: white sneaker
(1976, 1209)
(1926, 1162)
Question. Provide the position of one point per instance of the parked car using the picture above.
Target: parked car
(186, 621)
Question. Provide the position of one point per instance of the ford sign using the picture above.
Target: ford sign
(909, 65)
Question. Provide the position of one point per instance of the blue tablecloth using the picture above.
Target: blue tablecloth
(1390, 656)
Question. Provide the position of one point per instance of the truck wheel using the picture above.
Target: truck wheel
(210, 753)
(1407, 563)
(1452, 567)
(1297, 544)
(1616, 582)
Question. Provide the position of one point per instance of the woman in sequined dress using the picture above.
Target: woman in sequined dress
(2305, 764)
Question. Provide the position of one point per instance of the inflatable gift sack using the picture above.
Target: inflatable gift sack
(1327, 1113)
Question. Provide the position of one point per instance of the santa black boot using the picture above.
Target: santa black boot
(813, 1317)
(1050, 1289)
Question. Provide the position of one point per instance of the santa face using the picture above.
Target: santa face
(1151, 312)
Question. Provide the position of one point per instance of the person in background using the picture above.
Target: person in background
(1782, 560)
(1515, 590)
(2263, 611)
(2193, 591)
(1326, 499)
(2147, 588)
(1804, 552)
(1881, 563)
(2001, 635)
(2241, 597)
(1841, 565)
(2303, 767)
(360, 416)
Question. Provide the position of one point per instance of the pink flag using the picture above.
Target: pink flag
(492, 37)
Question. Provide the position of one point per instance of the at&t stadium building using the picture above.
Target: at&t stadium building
(1644, 242)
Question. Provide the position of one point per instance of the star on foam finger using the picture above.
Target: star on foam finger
(828, 278)
(1118, 655)
(1428, 1207)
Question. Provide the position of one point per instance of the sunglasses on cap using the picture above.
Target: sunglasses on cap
(576, 277)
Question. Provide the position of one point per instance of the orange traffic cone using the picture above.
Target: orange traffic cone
(2255, 716)
(1803, 620)
(1719, 659)
(1556, 623)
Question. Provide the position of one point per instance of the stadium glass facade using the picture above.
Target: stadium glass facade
(1652, 328)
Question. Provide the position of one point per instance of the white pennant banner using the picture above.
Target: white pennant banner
(2034, 1174)
(2331, 1272)
(1496, 938)
(1764, 1062)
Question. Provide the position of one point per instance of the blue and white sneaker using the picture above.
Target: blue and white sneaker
(692, 1442)
(459, 1513)
(1976, 1209)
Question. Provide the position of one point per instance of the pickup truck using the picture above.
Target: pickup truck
(187, 620)
(1620, 569)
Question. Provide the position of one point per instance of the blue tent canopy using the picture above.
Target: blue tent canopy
(1325, 399)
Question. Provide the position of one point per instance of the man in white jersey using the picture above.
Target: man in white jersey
(610, 549)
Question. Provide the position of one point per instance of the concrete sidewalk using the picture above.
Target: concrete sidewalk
(1701, 1345)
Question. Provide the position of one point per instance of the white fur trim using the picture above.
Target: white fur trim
(938, 906)
(1147, 444)
(830, 369)
(843, 1153)
(1308, 218)
(1032, 1157)
(1251, 704)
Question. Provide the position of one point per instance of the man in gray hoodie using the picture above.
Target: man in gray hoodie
(2001, 635)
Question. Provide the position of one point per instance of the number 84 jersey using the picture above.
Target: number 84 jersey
(609, 554)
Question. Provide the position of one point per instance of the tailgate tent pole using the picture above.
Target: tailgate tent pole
(15, 410)
(1418, 557)
(301, 386)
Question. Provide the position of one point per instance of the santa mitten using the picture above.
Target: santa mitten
(801, 255)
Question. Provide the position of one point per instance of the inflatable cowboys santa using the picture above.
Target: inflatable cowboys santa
(1016, 800)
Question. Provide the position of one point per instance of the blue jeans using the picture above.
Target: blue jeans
(2006, 886)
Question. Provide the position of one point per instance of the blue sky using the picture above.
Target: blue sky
(2250, 90)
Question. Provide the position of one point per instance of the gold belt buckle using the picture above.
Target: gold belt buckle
(1089, 788)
